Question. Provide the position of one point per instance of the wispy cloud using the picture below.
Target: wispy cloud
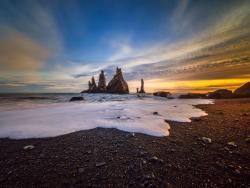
(20, 53)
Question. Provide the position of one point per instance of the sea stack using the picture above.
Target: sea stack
(102, 83)
(93, 87)
(118, 84)
(142, 87)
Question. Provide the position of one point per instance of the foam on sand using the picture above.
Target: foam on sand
(130, 115)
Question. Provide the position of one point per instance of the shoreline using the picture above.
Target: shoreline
(107, 157)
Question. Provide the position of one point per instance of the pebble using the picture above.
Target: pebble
(28, 147)
(144, 161)
(245, 114)
(232, 144)
(196, 119)
(155, 113)
(206, 139)
(156, 159)
(237, 171)
(88, 152)
(80, 170)
(247, 139)
(229, 180)
(100, 164)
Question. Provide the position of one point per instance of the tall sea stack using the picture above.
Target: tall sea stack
(102, 83)
(118, 84)
(142, 87)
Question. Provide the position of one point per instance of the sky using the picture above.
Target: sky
(175, 45)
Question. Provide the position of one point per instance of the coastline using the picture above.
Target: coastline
(112, 158)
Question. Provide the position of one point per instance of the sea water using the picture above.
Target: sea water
(46, 115)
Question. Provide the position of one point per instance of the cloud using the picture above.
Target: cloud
(18, 52)
(205, 44)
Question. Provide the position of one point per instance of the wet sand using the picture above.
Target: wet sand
(112, 158)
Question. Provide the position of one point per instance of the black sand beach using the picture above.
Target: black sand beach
(112, 158)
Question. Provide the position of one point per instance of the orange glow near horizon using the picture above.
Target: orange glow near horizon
(192, 86)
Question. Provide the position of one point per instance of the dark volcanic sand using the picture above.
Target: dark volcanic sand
(113, 158)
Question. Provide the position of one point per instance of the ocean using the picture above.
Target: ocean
(46, 115)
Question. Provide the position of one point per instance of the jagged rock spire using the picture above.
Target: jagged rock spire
(142, 86)
(118, 84)
(102, 83)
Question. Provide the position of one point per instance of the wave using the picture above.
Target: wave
(133, 115)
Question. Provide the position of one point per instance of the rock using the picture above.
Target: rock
(229, 180)
(88, 151)
(156, 159)
(76, 99)
(92, 86)
(243, 91)
(144, 161)
(247, 139)
(80, 170)
(142, 87)
(237, 171)
(118, 84)
(232, 144)
(193, 96)
(28, 147)
(162, 94)
(102, 83)
(196, 119)
(100, 164)
(155, 113)
(245, 114)
(221, 94)
(206, 140)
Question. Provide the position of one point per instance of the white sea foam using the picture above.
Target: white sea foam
(128, 115)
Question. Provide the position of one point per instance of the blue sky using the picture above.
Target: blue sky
(55, 46)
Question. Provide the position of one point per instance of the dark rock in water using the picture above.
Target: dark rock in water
(118, 84)
(193, 96)
(155, 113)
(102, 83)
(162, 94)
(221, 94)
(76, 99)
(243, 91)
(142, 87)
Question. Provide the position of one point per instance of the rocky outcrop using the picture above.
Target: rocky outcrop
(221, 94)
(162, 94)
(118, 84)
(193, 96)
(142, 87)
(243, 91)
(102, 83)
